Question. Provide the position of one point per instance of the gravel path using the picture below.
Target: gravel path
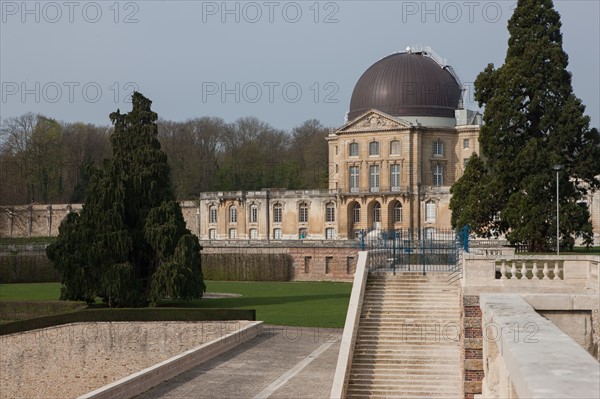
(71, 360)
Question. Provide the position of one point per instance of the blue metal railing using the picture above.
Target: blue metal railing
(415, 249)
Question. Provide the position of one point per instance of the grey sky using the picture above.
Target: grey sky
(281, 61)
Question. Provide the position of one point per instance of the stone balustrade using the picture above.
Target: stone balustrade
(530, 270)
(529, 273)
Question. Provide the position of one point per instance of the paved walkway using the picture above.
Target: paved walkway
(282, 362)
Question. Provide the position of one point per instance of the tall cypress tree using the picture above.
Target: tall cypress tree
(532, 121)
(129, 245)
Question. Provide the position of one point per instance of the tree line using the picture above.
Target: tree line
(43, 160)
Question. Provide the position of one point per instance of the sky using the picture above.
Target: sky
(283, 62)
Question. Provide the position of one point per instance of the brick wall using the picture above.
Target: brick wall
(323, 264)
(311, 261)
(473, 346)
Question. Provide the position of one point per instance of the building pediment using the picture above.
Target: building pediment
(374, 120)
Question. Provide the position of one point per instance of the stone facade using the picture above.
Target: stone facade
(391, 173)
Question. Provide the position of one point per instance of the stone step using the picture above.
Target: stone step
(408, 370)
(409, 323)
(405, 348)
(401, 348)
(425, 379)
(407, 386)
(413, 312)
(419, 294)
(370, 392)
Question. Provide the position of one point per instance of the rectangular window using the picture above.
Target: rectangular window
(277, 234)
(466, 144)
(430, 212)
(395, 147)
(232, 234)
(438, 148)
(253, 234)
(429, 233)
(349, 263)
(329, 233)
(303, 214)
(232, 215)
(373, 148)
(328, 263)
(354, 179)
(212, 215)
(302, 233)
(307, 260)
(330, 213)
(212, 234)
(438, 175)
(395, 177)
(254, 214)
(353, 149)
(374, 178)
(356, 214)
(277, 214)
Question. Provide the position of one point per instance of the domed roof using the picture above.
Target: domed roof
(407, 84)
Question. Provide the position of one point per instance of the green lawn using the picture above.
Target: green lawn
(314, 304)
(30, 292)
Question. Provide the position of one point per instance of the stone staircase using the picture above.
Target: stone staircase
(408, 342)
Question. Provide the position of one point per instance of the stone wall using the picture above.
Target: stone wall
(36, 220)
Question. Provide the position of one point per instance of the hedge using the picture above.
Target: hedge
(128, 314)
(247, 267)
(26, 267)
(34, 267)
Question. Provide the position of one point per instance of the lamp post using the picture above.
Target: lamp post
(557, 168)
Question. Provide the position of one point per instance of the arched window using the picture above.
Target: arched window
(353, 149)
(277, 234)
(356, 213)
(373, 148)
(397, 212)
(254, 213)
(277, 213)
(212, 214)
(330, 213)
(395, 147)
(377, 212)
(253, 234)
(303, 215)
(212, 234)
(232, 214)
(232, 234)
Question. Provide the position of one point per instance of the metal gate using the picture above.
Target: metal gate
(411, 250)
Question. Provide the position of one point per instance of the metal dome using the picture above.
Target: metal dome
(407, 84)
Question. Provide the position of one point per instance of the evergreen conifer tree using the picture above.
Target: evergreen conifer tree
(129, 244)
(533, 121)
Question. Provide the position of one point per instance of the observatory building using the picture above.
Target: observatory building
(406, 140)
